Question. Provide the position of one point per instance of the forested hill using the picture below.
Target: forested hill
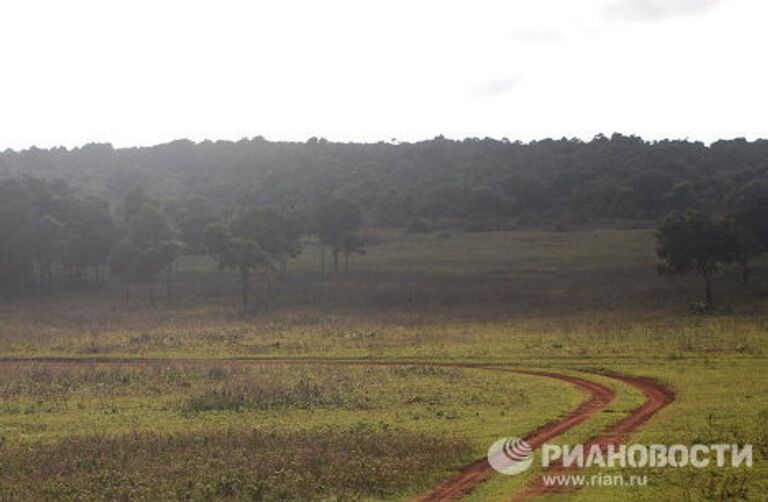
(397, 184)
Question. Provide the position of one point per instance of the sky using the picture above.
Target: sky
(143, 72)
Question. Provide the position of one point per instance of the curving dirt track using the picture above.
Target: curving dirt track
(657, 396)
(469, 477)
(477, 472)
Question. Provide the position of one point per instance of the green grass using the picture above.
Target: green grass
(45, 403)
(46, 406)
(229, 465)
(578, 302)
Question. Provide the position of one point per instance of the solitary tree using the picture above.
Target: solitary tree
(690, 241)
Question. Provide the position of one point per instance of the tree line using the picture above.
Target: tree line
(477, 183)
(248, 203)
(52, 236)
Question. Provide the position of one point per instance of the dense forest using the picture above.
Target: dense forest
(67, 214)
(474, 180)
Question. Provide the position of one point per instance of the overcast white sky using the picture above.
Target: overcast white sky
(137, 72)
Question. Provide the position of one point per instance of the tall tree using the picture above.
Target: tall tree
(691, 241)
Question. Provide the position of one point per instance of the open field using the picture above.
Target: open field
(514, 251)
(86, 378)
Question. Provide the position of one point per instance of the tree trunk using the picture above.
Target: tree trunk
(346, 263)
(168, 292)
(152, 294)
(707, 289)
(322, 260)
(745, 272)
(245, 279)
(127, 292)
(335, 261)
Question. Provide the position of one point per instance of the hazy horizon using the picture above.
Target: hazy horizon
(372, 142)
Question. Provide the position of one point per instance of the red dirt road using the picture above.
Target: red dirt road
(657, 396)
(469, 477)
(477, 472)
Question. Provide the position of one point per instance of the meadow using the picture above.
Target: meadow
(194, 400)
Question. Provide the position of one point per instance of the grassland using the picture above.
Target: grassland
(580, 302)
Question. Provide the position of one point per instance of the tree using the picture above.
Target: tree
(41, 242)
(160, 259)
(191, 217)
(149, 227)
(744, 243)
(42, 232)
(292, 227)
(251, 239)
(691, 241)
(134, 202)
(89, 235)
(335, 221)
(153, 250)
(351, 244)
(123, 262)
(751, 210)
(151, 231)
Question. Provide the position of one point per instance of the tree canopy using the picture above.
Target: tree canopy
(692, 241)
(252, 239)
(440, 179)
